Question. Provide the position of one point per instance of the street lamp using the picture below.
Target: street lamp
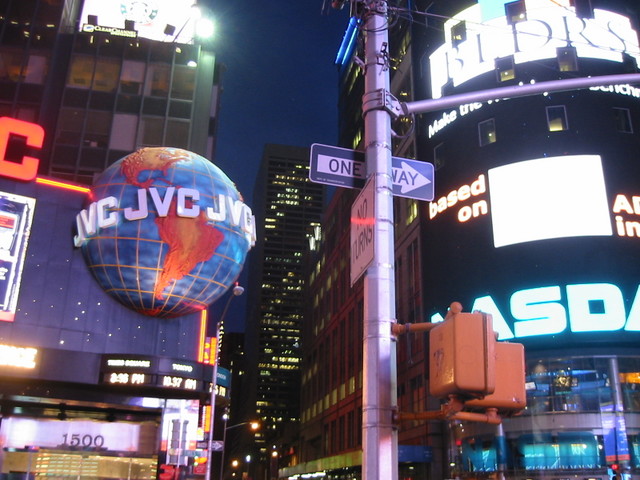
(237, 291)
(253, 425)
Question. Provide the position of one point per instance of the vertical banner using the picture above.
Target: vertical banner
(614, 430)
(16, 217)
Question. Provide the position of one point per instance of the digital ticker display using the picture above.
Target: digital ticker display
(548, 246)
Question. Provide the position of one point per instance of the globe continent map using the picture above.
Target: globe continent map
(157, 251)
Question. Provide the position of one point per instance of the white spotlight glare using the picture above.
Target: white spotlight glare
(205, 28)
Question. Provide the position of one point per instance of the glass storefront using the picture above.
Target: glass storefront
(60, 442)
(581, 418)
(53, 464)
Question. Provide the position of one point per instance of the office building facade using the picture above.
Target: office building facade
(291, 210)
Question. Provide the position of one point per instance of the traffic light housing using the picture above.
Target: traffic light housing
(462, 355)
(510, 395)
(615, 471)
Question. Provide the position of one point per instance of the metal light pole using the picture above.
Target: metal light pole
(379, 434)
(254, 426)
(237, 291)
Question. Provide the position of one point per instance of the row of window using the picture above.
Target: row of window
(557, 121)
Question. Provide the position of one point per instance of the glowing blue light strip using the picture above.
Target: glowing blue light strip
(348, 42)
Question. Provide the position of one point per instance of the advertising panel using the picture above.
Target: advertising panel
(161, 20)
(546, 245)
(16, 217)
(535, 219)
(19, 432)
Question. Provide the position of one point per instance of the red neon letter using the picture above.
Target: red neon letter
(28, 168)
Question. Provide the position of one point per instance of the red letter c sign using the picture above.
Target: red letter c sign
(28, 168)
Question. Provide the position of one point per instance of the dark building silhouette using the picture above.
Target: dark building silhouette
(291, 209)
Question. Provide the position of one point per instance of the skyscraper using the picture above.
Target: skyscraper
(291, 208)
(106, 80)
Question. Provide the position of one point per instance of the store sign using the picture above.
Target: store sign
(116, 32)
(27, 168)
(106, 212)
(152, 19)
(128, 362)
(16, 218)
(548, 26)
(19, 432)
(18, 357)
(555, 309)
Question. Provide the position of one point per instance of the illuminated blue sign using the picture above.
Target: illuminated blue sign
(549, 310)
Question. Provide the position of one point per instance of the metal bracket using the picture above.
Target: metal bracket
(381, 99)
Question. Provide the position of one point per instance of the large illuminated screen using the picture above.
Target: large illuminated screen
(161, 20)
(548, 246)
(477, 36)
(548, 198)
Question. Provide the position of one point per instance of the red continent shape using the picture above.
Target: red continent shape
(190, 240)
(149, 159)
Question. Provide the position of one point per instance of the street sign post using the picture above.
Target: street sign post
(342, 167)
(217, 446)
(362, 219)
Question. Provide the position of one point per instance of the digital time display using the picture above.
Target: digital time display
(146, 371)
(127, 378)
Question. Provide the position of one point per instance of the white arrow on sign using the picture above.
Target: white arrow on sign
(217, 446)
(408, 178)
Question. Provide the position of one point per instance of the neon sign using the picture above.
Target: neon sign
(19, 357)
(630, 206)
(550, 310)
(34, 134)
(105, 212)
(548, 26)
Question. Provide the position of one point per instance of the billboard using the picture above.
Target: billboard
(16, 217)
(476, 37)
(546, 245)
(161, 20)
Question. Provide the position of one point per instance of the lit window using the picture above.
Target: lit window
(458, 33)
(557, 118)
(81, 71)
(412, 211)
(567, 59)
(622, 118)
(505, 69)
(487, 132)
(515, 11)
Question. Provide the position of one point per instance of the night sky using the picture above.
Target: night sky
(280, 86)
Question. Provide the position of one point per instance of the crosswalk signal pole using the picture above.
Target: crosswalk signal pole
(380, 436)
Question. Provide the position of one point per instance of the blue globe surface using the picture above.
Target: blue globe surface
(167, 232)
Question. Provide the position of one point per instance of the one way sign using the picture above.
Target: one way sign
(342, 167)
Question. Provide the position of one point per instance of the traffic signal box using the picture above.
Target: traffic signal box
(467, 361)
(510, 394)
(462, 355)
